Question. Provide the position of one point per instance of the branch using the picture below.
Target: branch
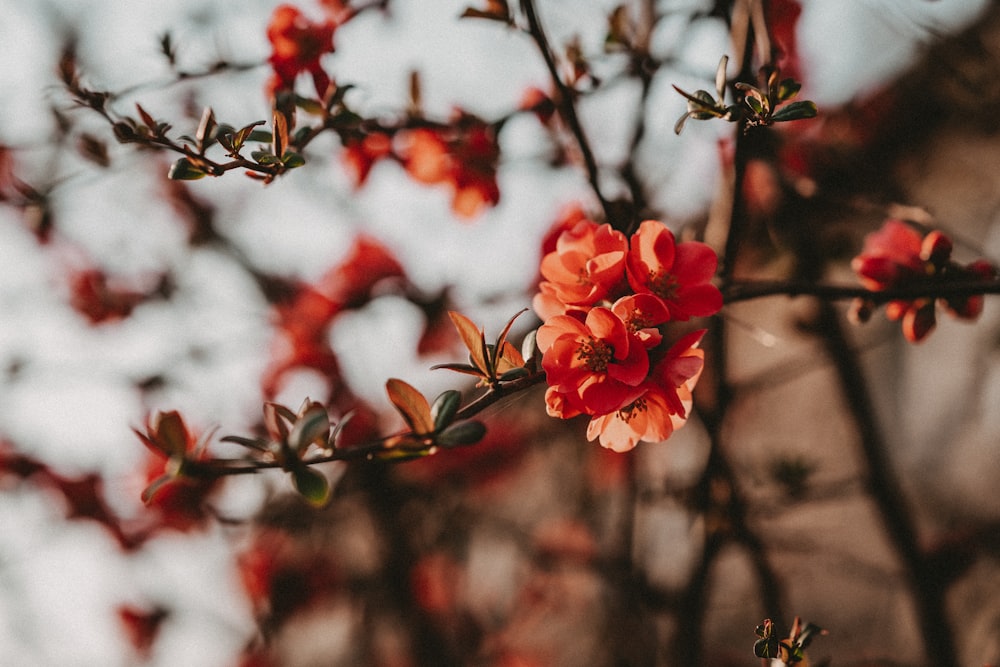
(565, 104)
(747, 290)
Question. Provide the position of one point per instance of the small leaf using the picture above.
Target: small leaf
(262, 136)
(755, 102)
(474, 340)
(185, 170)
(468, 369)
(411, 405)
(510, 359)
(311, 485)
(496, 10)
(795, 111)
(206, 129)
(170, 433)
(529, 346)
(679, 126)
(512, 356)
(444, 408)
(276, 420)
(146, 118)
(462, 433)
(312, 427)
(720, 77)
(154, 487)
(291, 160)
(264, 157)
(251, 443)
(788, 88)
(513, 374)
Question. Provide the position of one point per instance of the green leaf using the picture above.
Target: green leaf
(264, 157)
(755, 103)
(171, 433)
(311, 485)
(261, 136)
(788, 88)
(444, 408)
(462, 433)
(291, 160)
(796, 111)
(513, 374)
(185, 170)
(312, 427)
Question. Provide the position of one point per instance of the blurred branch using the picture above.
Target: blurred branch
(566, 106)
(747, 290)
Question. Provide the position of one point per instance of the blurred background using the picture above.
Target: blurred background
(534, 548)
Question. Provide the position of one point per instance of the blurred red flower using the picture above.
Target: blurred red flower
(898, 255)
(297, 44)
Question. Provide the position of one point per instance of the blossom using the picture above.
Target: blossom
(303, 321)
(94, 295)
(664, 405)
(587, 264)
(679, 274)
(297, 44)
(463, 155)
(361, 154)
(593, 366)
(897, 255)
(642, 313)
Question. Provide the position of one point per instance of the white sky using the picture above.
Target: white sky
(73, 402)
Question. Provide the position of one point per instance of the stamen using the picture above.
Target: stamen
(596, 354)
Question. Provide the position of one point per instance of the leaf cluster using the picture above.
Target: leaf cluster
(758, 106)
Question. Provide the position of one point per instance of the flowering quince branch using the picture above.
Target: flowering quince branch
(298, 440)
(759, 107)
(787, 651)
(565, 102)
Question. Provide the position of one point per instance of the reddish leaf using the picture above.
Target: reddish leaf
(411, 405)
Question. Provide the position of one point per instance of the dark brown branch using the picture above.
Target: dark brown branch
(565, 104)
(746, 290)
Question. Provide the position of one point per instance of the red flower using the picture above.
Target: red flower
(680, 274)
(664, 405)
(94, 296)
(142, 626)
(463, 155)
(896, 256)
(297, 44)
(594, 366)
(304, 322)
(642, 314)
(360, 155)
(587, 264)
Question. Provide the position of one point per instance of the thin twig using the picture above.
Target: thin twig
(566, 106)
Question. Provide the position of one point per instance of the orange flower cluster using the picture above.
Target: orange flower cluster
(897, 256)
(605, 300)
(462, 155)
(297, 44)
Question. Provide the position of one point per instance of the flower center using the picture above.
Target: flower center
(632, 409)
(596, 354)
(663, 285)
(638, 320)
